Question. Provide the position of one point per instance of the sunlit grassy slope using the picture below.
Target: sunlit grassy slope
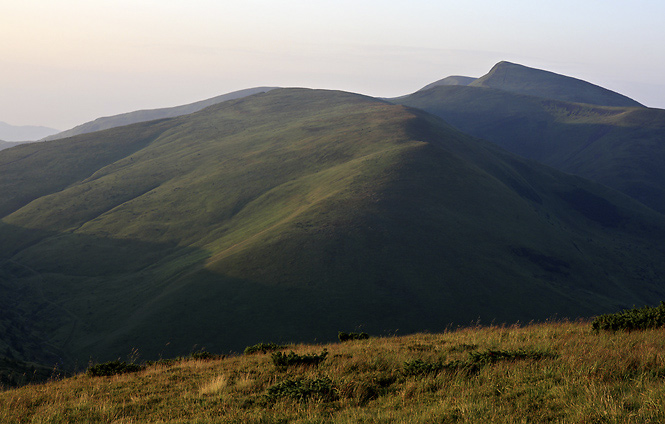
(557, 372)
(621, 147)
(293, 214)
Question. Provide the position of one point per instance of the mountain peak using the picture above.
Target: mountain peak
(520, 79)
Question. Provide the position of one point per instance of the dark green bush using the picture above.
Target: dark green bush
(474, 362)
(112, 368)
(418, 367)
(631, 319)
(203, 355)
(303, 389)
(283, 360)
(263, 348)
(491, 356)
(343, 337)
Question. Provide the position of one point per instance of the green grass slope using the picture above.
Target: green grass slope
(621, 147)
(520, 79)
(557, 372)
(451, 80)
(152, 114)
(294, 214)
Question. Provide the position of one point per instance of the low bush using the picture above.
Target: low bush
(303, 389)
(474, 362)
(263, 348)
(281, 359)
(631, 319)
(344, 337)
(490, 356)
(419, 367)
(112, 368)
(203, 355)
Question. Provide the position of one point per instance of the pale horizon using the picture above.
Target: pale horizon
(72, 62)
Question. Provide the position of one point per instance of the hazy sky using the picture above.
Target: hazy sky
(65, 62)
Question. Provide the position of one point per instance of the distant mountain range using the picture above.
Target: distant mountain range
(13, 133)
(291, 214)
(152, 114)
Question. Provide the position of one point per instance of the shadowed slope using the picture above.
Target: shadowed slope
(293, 214)
(619, 147)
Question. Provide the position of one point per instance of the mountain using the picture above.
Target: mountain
(152, 114)
(23, 133)
(620, 147)
(290, 215)
(452, 80)
(520, 79)
(7, 144)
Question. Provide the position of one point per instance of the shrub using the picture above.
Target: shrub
(491, 356)
(303, 389)
(475, 361)
(283, 360)
(203, 355)
(112, 368)
(263, 348)
(418, 367)
(343, 337)
(631, 319)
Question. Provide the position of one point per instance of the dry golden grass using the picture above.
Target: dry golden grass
(594, 378)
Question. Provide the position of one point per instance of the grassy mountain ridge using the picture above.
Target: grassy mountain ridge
(152, 114)
(551, 372)
(295, 213)
(616, 146)
(520, 79)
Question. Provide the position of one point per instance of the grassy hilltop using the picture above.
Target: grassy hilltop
(557, 372)
(292, 214)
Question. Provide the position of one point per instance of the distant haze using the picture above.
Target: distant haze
(71, 62)
(24, 133)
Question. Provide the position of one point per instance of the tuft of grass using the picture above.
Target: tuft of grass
(216, 385)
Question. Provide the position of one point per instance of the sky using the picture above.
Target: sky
(66, 62)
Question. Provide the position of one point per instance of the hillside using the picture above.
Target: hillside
(290, 215)
(452, 80)
(152, 114)
(520, 79)
(554, 372)
(14, 133)
(620, 147)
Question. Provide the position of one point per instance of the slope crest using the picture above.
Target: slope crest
(535, 82)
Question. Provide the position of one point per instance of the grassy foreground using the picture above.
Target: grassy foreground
(553, 372)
